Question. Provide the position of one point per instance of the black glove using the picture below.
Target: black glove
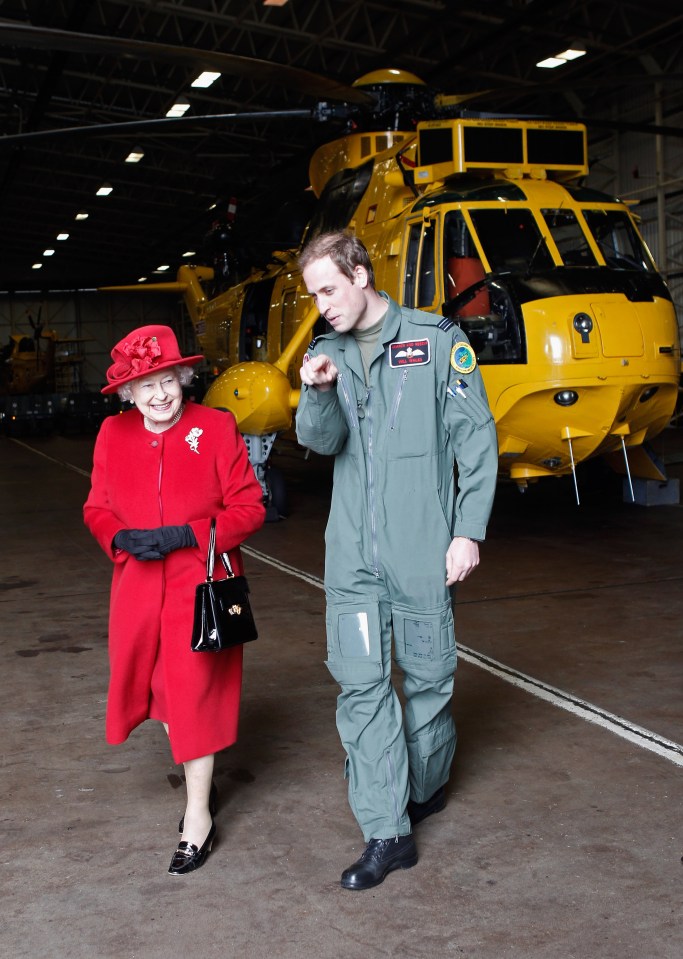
(145, 544)
(173, 537)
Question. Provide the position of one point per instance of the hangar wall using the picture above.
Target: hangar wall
(88, 323)
(645, 171)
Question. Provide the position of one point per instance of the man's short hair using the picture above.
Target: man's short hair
(344, 249)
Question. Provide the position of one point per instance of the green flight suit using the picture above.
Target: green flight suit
(395, 509)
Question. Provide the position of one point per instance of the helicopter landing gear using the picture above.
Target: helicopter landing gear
(271, 479)
(278, 504)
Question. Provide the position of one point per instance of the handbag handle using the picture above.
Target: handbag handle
(225, 559)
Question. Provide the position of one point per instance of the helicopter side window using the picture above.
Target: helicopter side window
(463, 266)
(412, 253)
(618, 240)
(479, 304)
(419, 284)
(511, 240)
(427, 285)
(254, 319)
(569, 238)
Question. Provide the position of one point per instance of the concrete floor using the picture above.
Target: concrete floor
(561, 837)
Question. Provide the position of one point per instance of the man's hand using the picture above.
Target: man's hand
(462, 557)
(320, 372)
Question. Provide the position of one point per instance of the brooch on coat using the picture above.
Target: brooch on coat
(193, 438)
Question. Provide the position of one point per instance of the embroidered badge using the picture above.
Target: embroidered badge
(463, 359)
(193, 438)
(409, 353)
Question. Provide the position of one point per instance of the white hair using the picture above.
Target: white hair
(184, 374)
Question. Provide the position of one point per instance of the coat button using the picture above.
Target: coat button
(154, 443)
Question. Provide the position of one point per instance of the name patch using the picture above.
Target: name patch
(409, 353)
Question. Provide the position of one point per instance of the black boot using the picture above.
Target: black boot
(380, 857)
(417, 811)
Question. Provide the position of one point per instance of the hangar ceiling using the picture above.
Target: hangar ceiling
(163, 206)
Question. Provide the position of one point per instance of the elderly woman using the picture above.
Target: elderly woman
(161, 472)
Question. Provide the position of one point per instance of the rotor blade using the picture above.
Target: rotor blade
(26, 36)
(151, 125)
(621, 126)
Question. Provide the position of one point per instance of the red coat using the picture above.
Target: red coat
(142, 480)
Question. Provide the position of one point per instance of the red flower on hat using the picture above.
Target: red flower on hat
(142, 352)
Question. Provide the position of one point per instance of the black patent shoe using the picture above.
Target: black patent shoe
(417, 811)
(380, 857)
(213, 806)
(187, 857)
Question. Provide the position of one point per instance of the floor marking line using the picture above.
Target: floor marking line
(284, 567)
(638, 735)
(53, 459)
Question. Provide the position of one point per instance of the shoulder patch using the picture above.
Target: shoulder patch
(463, 359)
(445, 324)
(311, 345)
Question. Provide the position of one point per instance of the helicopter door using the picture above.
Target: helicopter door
(480, 303)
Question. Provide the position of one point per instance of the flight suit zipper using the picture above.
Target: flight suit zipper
(397, 399)
(392, 787)
(371, 487)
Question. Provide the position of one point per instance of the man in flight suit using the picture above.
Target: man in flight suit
(396, 396)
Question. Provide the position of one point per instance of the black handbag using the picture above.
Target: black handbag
(222, 612)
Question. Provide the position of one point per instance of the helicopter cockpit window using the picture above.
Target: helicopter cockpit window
(569, 238)
(340, 197)
(478, 302)
(618, 241)
(511, 240)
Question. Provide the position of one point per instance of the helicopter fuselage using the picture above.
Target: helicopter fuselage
(574, 329)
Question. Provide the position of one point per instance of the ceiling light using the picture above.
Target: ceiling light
(571, 53)
(104, 190)
(162, 268)
(205, 79)
(550, 62)
(82, 215)
(189, 252)
(48, 252)
(135, 155)
(179, 108)
(62, 236)
(274, 3)
(141, 279)
(574, 52)
(36, 266)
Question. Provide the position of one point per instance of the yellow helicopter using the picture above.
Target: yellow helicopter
(487, 221)
(482, 218)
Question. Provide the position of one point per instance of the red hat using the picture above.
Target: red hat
(145, 350)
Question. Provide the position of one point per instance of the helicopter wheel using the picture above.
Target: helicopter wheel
(277, 501)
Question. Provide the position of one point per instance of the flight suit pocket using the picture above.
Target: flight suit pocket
(348, 402)
(470, 405)
(354, 646)
(424, 640)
